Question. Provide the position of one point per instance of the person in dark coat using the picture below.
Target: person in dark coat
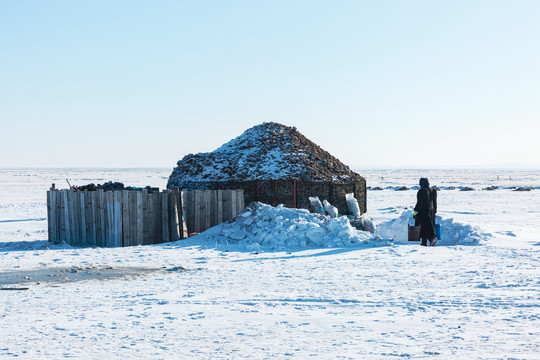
(424, 212)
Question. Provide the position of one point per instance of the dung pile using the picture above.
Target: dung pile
(269, 151)
(108, 186)
(112, 186)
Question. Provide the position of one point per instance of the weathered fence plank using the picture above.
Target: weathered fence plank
(49, 224)
(105, 219)
(219, 209)
(64, 217)
(125, 218)
(233, 204)
(117, 195)
(56, 216)
(81, 204)
(226, 205)
(91, 217)
(145, 218)
(212, 208)
(156, 218)
(138, 237)
(165, 216)
(60, 217)
(239, 201)
(199, 210)
(151, 222)
(80, 221)
(73, 218)
(101, 218)
(112, 225)
(51, 215)
(159, 230)
(50, 211)
(71, 225)
(112, 239)
(109, 219)
(132, 226)
(207, 211)
(70, 215)
(95, 207)
(183, 215)
(171, 214)
(191, 211)
(177, 210)
(57, 199)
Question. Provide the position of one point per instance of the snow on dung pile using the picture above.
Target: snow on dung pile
(269, 151)
(280, 227)
(452, 233)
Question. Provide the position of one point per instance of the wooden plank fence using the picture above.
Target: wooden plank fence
(128, 217)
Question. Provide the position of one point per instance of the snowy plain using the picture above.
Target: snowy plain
(204, 299)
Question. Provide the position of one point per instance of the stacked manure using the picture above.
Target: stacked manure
(272, 163)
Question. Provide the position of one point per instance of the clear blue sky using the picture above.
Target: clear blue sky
(376, 83)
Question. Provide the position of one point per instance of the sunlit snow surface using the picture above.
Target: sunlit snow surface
(220, 300)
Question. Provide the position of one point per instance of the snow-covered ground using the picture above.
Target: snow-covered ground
(211, 297)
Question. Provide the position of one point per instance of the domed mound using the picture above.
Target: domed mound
(269, 151)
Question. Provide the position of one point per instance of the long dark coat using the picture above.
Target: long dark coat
(426, 206)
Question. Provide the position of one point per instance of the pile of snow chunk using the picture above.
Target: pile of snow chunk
(280, 227)
(452, 232)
